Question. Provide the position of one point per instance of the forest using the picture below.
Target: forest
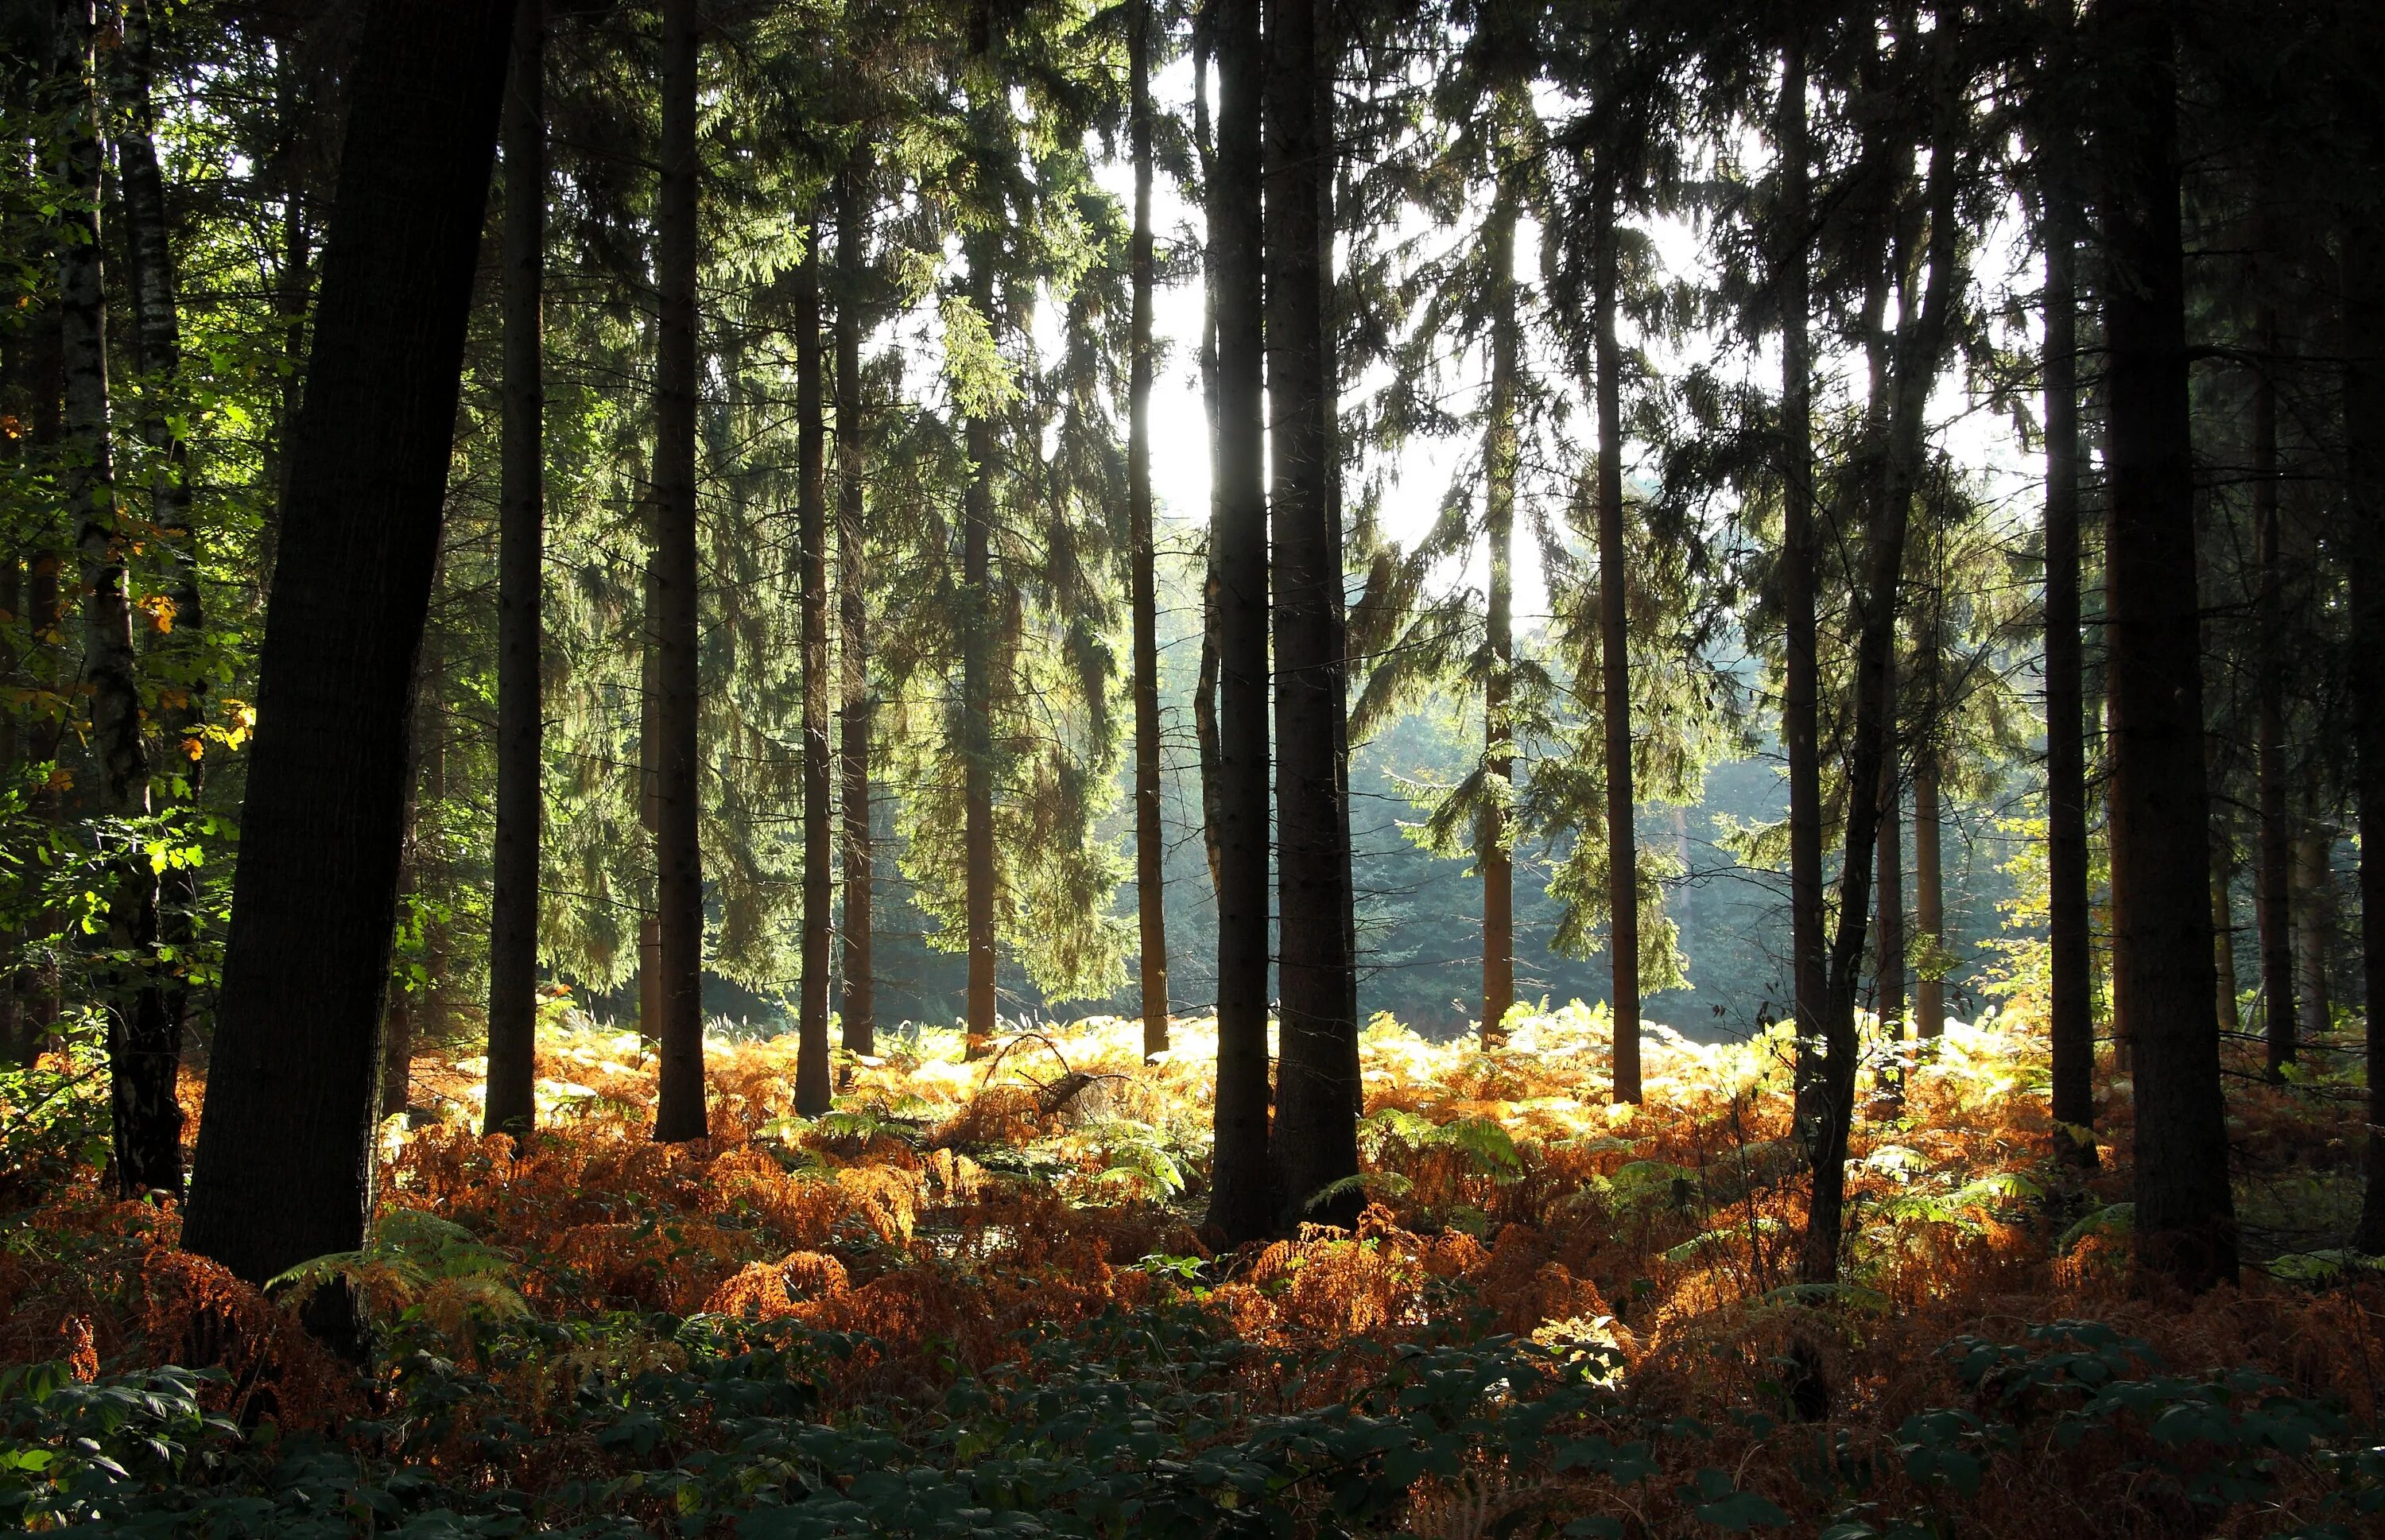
(1455, 769)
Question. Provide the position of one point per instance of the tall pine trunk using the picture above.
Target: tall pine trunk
(2363, 388)
(812, 1081)
(1500, 453)
(285, 1153)
(522, 559)
(1888, 864)
(678, 861)
(2314, 930)
(159, 1013)
(1801, 674)
(1205, 680)
(859, 1015)
(141, 1056)
(2160, 807)
(1241, 1190)
(979, 250)
(2274, 847)
(1614, 647)
(1315, 1132)
(1928, 895)
(1150, 847)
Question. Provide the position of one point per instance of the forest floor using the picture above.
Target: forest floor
(975, 1300)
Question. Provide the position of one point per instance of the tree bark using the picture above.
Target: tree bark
(2314, 929)
(2160, 807)
(2071, 991)
(2274, 867)
(1615, 656)
(1888, 945)
(1500, 453)
(159, 1011)
(1242, 1194)
(285, 1153)
(979, 249)
(2224, 867)
(1150, 847)
(679, 1112)
(1315, 1132)
(860, 1008)
(1928, 896)
(2362, 387)
(521, 556)
(814, 1083)
(1801, 674)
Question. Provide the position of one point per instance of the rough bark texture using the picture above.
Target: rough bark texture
(859, 1015)
(1615, 659)
(285, 1153)
(522, 559)
(1492, 857)
(1801, 674)
(813, 1082)
(2364, 417)
(1150, 842)
(2313, 936)
(678, 861)
(1241, 1199)
(980, 247)
(2160, 808)
(1315, 1132)
(2272, 867)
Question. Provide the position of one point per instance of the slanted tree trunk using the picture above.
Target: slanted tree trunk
(1316, 1131)
(2071, 992)
(2362, 251)
(1500, 453)
(1615, 653)
(521, 558)
(158, 1014)
(1150, 847)
(285, 1162)
(679, 863)
(2160, 805)
(142, 1057)
(1801, 674)
(1919, 348)
(1241, 1190)
(814, 1085)
(860, 1012)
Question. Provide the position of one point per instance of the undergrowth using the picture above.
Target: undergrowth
(976, 1300)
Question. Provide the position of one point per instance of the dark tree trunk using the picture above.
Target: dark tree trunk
(2273, 868)
(2363, 257)
(650, 780)
(1928, 896)
(679, 862)
(141, 1056)
(157, 1013)
(1801, 680)
(859, 1008)
(2224, 867)
(1316, 1131)
(1615, 657)
(812, 1081)
(1150, 847)
(979, 248)
(2160, 807)
(1500, 450)
(1887, 931)
(1919, 349)
(1204, 686)
(2314, 928)
(2071, 992)
(285, 1152)
(521, 539)
(1242, 1195)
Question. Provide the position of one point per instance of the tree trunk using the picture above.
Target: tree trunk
(285, 1152)
(979, 250)
(2363, 388)
(2160, 807)
(814, 1083)
(860, 1012)
(1919, 348)
(2072, 993)
(1242, 1195)
(1204, 687)
(521, 537)
(2275, 846)
(1928, 896)
(1315, 1132)
(679, 1112)
(1500, 455)
(1150, 847)
(1801, 674)
(141, 1055)
(2224, 867)
(1614, 656)
(159, 1010)
(2314, 930)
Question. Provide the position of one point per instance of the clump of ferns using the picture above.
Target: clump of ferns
(1443, 1173)
(419, 1276)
